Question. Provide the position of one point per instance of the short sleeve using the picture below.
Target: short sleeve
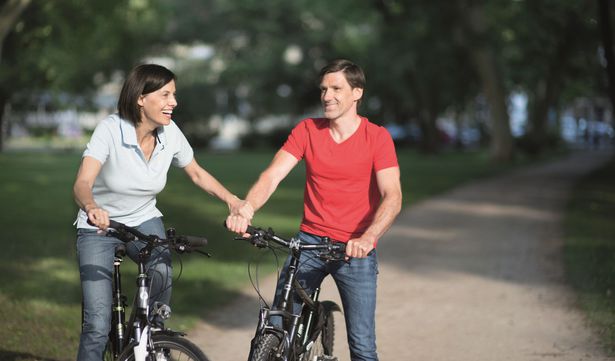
(297, 140)
(100, 143)
(183, 154)
(384, 153)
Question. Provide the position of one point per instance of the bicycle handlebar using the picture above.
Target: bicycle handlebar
(180, 243)
(333, 251)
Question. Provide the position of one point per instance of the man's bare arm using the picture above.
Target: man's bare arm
(390, 189)
(282, 163)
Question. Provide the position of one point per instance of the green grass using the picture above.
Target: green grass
(40, 291)
(590, 249)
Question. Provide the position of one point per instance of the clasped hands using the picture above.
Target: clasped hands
(241, 214)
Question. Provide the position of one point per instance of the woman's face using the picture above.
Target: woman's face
(157, 107)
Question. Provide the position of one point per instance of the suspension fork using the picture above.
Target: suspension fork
(142, 304)
(287, 296)
(119, 306)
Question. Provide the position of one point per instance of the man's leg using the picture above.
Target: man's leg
(356, 283)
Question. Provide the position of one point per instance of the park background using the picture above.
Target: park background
(467, 88)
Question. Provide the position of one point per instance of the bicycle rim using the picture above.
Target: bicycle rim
(170, 348)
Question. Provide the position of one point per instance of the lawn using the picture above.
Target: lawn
(40, 292)
(590, 249)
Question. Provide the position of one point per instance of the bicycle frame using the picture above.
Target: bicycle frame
(137, 332)
(284, 309)
(138, 328)
(293, 335)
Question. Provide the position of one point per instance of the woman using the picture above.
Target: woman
(123, 168)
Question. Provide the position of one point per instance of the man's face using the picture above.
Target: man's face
(337, 96)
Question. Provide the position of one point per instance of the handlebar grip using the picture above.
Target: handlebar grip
(250, 228)
(196, 241)
(112, 224)
(115, 225)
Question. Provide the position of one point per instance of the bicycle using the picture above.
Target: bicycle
(141, 338)
(306, 335)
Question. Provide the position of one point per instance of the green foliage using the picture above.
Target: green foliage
(265, 54)
(69, 46)
(590, 249)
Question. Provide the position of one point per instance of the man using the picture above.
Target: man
(352, 195)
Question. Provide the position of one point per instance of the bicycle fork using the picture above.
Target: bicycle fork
(119, 305)
(142, 339)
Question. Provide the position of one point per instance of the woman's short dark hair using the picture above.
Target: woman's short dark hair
(142, 80)
(353, 73)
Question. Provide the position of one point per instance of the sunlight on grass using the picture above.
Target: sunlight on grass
(590, 250)
(57, 269)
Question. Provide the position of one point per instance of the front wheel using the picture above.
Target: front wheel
(265, 348)
(167, 348)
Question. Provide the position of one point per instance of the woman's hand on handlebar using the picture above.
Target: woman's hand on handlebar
(98, 217)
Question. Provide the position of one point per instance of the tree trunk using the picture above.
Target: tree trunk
(3, 121)
(9, 14)
(473, 33)
(604, 16)
(501, 140)
(429, 132)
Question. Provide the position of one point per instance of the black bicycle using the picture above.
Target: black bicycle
(306, 335)
(142, 338)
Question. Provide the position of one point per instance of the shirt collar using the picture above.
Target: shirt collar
(129, 134)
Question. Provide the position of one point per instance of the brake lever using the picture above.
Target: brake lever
(255, 240)
(202, 252)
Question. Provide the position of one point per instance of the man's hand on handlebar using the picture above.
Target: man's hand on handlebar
(238, 224)
(359, 247)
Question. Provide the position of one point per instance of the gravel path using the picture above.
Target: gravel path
(473, 275)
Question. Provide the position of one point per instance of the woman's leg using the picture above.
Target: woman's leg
(95, 254)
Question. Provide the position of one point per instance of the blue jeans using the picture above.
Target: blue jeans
(95, 253)
(356, 283)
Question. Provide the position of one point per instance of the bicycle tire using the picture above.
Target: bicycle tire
(170, 348)
(264, 347)
(323, 345)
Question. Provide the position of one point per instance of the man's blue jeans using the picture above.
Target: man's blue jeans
(356, 283)
(95, 253)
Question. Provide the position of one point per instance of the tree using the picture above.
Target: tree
(68, 47)
(421, 69)
(475, 34)
(560, 38)
(605, 12)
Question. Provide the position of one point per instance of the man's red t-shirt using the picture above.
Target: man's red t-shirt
(341, 194)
